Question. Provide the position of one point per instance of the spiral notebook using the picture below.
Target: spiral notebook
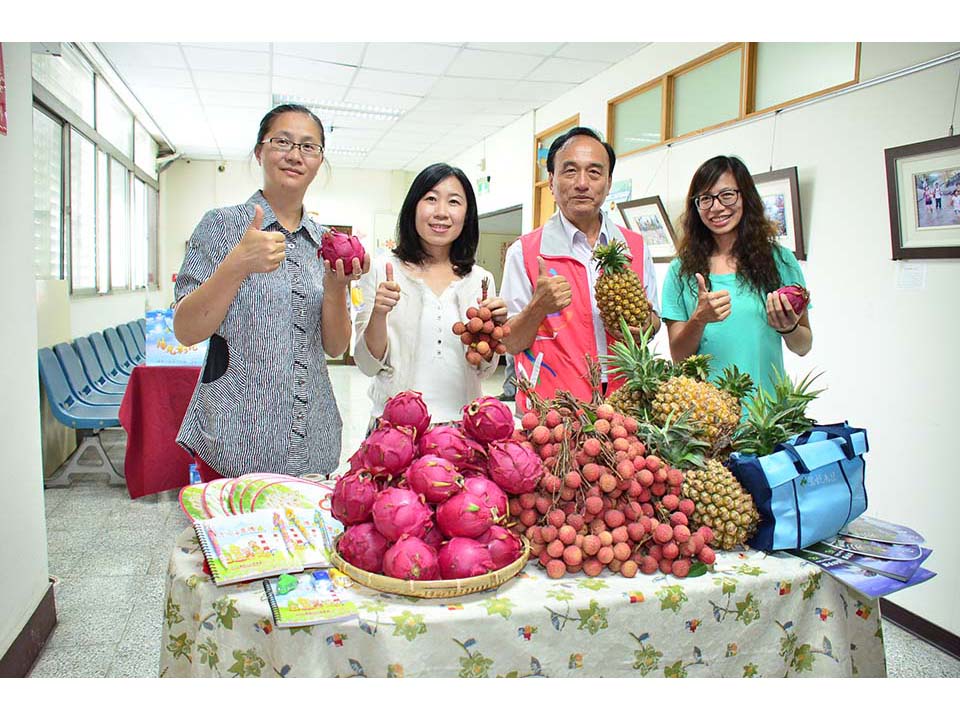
(249, 546)
(313, 601)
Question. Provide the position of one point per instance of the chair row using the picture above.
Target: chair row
(85, 381)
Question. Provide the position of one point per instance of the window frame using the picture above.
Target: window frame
(570, 122)
(748, 75)
(65, 236)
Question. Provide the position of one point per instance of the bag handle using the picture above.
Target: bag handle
(841, 431)
(798, 461)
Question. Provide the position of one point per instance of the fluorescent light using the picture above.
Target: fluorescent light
(346, 151)
(335, 107)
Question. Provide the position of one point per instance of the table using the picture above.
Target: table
(757, 615)
(151, 411)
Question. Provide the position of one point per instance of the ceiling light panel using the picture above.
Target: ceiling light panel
(382, 99)
(483, 64)
(423, 58)
(295, 87)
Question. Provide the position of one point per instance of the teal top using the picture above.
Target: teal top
(744, 339)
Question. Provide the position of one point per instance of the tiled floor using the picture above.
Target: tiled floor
(109, 554)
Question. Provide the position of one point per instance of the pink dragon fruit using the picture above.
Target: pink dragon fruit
(450, 443)
(464, 557)
(363, 547)
(488, 491)
(388, 450)
(434, 538)
(487, 419)
(503, 545)
(463, 515)
(340, 246)
(516, 468)
(398, 511)
(433, 477)
(797, 295)
(410, 558)
(353, 497)
(407, 409)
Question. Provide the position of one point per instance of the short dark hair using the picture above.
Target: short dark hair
(409, 244)
(268, 119)
(572, 133)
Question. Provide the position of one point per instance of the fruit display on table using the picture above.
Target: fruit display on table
(425, 503)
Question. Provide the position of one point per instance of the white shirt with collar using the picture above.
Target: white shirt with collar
(517, 291)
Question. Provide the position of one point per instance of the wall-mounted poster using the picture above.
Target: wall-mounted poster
(648, 217)
(780, 192)
(3, 96)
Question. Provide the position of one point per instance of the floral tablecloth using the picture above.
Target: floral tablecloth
(757, 615)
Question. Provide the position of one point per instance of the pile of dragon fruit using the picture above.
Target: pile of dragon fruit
(428, 503)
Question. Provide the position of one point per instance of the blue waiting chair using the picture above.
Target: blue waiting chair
(129, 344)
(138, 338)
(107, 361)
(96, 373)
(81, 388)
(142, 322)
(124, 361)
(86, 419)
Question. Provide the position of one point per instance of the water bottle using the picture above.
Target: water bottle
(194, 474)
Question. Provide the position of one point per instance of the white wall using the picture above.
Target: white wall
(23, 541)
(342, 196)
(888, 355)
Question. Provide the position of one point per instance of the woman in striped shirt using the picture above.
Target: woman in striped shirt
(252, 283)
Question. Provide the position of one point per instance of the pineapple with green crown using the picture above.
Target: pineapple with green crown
(773, 417)
(666, 389)
(720, 501)
(619, 291)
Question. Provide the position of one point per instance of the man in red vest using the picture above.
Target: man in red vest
(549, 274)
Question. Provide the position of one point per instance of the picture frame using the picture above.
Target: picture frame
(648, 217)
(923, 193)
(780, 192)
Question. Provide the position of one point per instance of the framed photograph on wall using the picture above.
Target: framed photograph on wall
(923, 191)
(780, 192)
(647, 217)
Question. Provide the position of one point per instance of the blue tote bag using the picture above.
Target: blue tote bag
(808, 488)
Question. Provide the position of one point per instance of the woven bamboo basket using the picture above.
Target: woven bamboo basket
(431, 588)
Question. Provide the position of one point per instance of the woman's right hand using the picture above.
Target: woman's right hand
(388, 294)
(711, 306)
(259, 251)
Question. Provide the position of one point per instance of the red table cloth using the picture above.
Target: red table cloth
(151, 412)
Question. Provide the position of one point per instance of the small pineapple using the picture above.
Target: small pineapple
(720, 501)
(619, 292)
(641, 370)
(773, 418)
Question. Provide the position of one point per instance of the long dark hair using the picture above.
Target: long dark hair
(756, 236)
(268, 119)
(409, 245)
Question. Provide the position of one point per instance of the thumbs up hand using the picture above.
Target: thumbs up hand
(259, 251)
(388, 294)
(711, 306)
(552, 293)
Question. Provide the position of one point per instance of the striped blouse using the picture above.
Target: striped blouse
(264, 402)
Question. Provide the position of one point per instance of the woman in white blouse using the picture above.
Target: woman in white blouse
(414, 295)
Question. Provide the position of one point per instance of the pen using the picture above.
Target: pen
(282, 529)
(292, 517)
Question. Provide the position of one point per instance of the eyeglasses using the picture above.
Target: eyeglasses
(726, 198)
(282, 144)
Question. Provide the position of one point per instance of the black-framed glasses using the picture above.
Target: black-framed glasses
(284, 145)
(726, 198)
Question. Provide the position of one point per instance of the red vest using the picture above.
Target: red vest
(564, 339)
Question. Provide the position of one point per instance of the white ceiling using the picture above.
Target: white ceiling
(208, 98)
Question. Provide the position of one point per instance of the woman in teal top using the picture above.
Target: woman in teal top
(718, 295)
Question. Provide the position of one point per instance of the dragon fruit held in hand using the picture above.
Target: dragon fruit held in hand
(340, 246)
(514, 467)
(353, 497)
(433, 477)
(464, 557)
(463, 515)
(487, 419)
(488, 491)
(398, 511)
(388, 450)
(503, 545)
(797, 295)
(407, 409)
(410, 558)
(363, 547)
(450, 443)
